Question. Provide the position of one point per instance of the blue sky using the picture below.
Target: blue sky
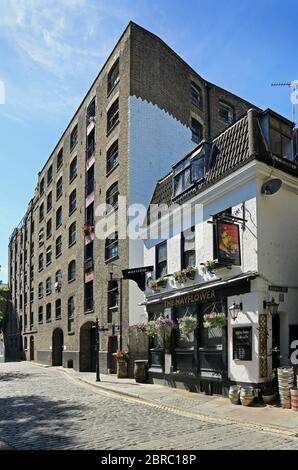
(51, 51)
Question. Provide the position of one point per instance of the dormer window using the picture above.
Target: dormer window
(281, 139)
(187, 173)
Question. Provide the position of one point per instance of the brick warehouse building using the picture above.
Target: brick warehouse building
(145, 106)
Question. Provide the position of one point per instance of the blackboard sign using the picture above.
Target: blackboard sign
(242, 343)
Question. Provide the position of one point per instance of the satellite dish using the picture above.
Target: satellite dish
(271, 186)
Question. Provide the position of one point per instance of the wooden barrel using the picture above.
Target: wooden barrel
(285, 383)
(247, 395)
(294, 398)
(234, 394)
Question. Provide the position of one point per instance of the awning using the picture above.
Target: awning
(200, 287)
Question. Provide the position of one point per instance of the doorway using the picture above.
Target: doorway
(57, 347)
(88, 347)
(31, 348)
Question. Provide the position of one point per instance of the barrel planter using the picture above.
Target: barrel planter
(234, 394)
(121, 369)
(140, 371)
(294, 398)
(247, 395)
(285, 383)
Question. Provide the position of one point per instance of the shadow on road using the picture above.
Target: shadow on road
(32, 422)
(7, 376)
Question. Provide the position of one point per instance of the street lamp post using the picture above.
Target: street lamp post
(98, 329)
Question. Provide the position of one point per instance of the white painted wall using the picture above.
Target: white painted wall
(155, 139)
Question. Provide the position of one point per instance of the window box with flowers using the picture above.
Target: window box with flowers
(121, 358)
(186, 274)
(158, 284)
(88, 229)
(214, 320)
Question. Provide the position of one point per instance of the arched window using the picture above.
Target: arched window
(111, 247)
(58, 280)
(48, 286)
(71, 271)
(58, 309)
(196, 131)
(112, 196)
(58, 246)
(40, 290)
(226, 113)
(70, 313)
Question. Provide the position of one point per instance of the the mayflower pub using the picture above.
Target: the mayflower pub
(222, 295)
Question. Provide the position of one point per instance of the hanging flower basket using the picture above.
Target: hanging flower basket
(157, 284)
(164, 327)
(214, 320)
(139, 328)
(187, 325)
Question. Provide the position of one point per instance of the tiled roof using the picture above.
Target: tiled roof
(234, 149)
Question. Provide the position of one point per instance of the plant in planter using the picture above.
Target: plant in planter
(214, 320)
(268, 393)
(187, 325)
(180, 276)
(210, 266)
(157, 284)
(121, 358)
(87, 229)
(190, 272)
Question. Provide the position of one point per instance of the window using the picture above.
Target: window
(25, 343)
(70, 313)
(40, 290)
(72, 271)
(59, 217)
(72, 201)
(90, 144)
(73, 169)
(49, 228)
(112, 157)
(187, 173)
(196, 95)
(90, 214)
(188, 252)
(41, 237)
(49, 201)
(48, 255)
(111, 248)
(73, 137)
(48, 312)
(41, 187)
(113, 76)
(90, 181)
(112, 197)
(40, 314)
(113, 115)
(161, 260)
(113, 294)
(196, 131)
(59, 159)
(40, 262)
(48, 286)
(89, 257)
(72, 234)
(50, 175)
(91, 110)
(226, 113)
(281, 136)
(187, 341)
(59, 188)
(89, 296)
(58, 246)
(58, 309)
(41, 212)
(58, 280)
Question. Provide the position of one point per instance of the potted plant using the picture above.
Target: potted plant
(190, 272)
(267, 390)
(210, 266)
(214, 320)
(187, 325)
(158, 283)
(87, 229)
(180, 276)
(121, 358)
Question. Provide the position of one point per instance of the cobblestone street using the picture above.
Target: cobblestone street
(43, 408)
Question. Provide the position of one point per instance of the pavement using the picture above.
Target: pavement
(270, 417)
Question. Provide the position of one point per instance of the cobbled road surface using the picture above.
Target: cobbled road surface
(43, 408)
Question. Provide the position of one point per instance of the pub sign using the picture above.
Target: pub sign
(228, 243)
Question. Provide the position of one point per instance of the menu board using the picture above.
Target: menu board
(242, 343)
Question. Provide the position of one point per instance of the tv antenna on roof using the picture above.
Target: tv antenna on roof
(294, 94)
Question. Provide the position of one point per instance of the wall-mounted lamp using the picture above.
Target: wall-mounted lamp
(271, 306)
(235, 309)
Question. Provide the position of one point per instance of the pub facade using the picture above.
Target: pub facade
(224, 257)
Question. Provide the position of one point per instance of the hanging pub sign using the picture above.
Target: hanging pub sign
(242, 343)
(138, 275)
(228, 243)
